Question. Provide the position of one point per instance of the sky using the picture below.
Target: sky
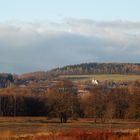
(38, 35)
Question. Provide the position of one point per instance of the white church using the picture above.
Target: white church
(95, 82)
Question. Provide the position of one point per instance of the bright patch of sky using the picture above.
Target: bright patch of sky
(55, 10)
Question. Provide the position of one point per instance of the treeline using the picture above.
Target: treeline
(99, 68)
(63, 101)
(6, 79)
(35, 75)
(86, 68)
(10, 80)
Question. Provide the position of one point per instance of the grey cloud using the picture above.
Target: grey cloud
(105, 24)
(41, 46)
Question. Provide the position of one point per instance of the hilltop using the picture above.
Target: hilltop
(79, 69)
(87, 68)
(98, 68)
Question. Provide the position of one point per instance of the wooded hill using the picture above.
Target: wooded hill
(79, 69)
(34, 75)
(86, 68)
(98, 68)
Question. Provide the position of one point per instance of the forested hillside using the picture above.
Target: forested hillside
(99, 68)
(34, 75)
(86, 68)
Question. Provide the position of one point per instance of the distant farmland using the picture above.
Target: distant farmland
(102, 77)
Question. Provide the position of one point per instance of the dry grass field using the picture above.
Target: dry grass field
(41, 128)
(103, 77)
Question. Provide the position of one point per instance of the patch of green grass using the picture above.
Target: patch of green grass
(102, 77)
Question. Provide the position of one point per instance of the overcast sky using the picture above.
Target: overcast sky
(43, 34)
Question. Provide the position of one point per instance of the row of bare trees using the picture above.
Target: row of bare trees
(63, 101)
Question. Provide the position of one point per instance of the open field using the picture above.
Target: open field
(103, 77)
(75, 134)
(30, 125)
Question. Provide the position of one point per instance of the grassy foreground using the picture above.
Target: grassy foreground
(41, 128)
(103, 77)
(75, 134)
